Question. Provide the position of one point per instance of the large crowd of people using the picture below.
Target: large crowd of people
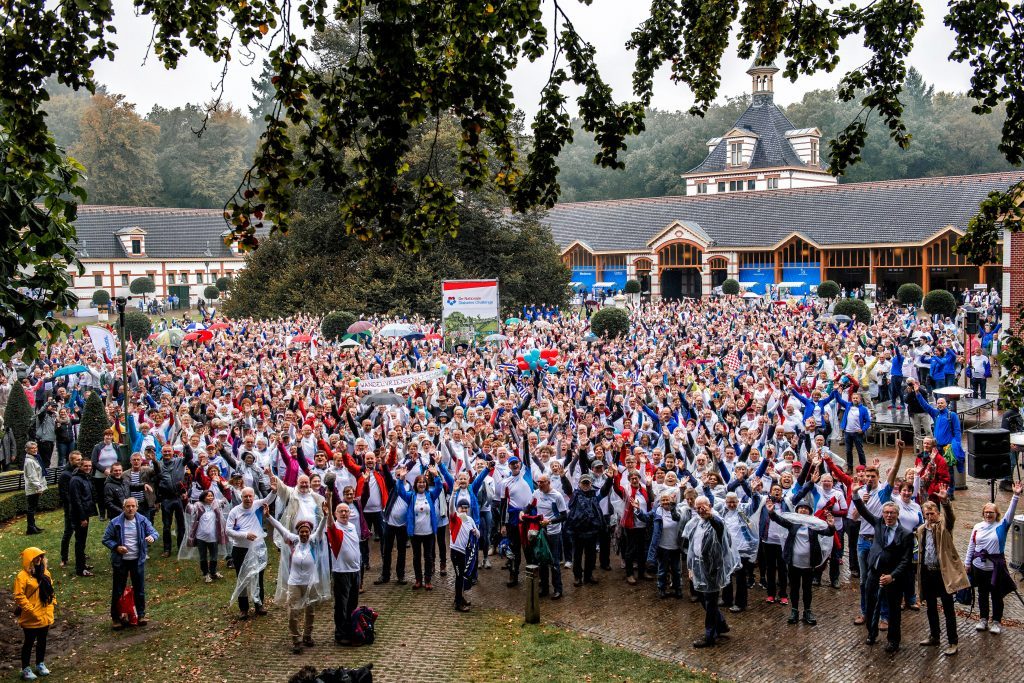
(718, 448)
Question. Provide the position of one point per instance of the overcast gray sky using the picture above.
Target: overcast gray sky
(605, 23)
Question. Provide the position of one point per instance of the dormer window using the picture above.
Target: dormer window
(133, 241)
(735, 153)
(814, 152)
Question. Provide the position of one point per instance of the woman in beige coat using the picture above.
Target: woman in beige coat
(942, 572)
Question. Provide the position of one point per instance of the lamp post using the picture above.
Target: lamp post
(121, 303)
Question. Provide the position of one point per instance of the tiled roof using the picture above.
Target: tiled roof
(170, 233)
(903, 211)
(771, 149)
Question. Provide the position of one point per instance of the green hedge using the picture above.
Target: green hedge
(13, 504)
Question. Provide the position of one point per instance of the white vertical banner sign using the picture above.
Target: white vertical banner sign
(469, 310)
(103, 341)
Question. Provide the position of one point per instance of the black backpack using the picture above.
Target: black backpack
(363, 619)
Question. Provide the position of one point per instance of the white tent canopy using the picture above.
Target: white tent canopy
(749, 285)
(791, 285)
(604, 285)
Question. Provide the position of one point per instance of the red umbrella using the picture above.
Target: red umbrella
(780, 303)
(219, 326)
(300, 339)
(433, 336)
(359, 326)
(199, 336)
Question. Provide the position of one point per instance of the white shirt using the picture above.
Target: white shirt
(421, 510)
(207, 529)
(549, 505)
(131, 539)
(669, 530)
(242, 522)
(348, 558)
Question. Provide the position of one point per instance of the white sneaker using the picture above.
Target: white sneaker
(487, 563)
(207, 578)
(568, 565)
(42, 670)
(27, 675)
(982, 625)
(995, 627)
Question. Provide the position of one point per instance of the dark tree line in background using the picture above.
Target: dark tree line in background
(948, 139)
(157, 159)
(154, 159)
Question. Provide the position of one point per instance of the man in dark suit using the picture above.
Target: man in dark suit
(889, 559)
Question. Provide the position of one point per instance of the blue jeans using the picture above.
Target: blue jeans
(854, 439)
(669, 566)
(863, 546)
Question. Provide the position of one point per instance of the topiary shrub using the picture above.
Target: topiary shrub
(18, 417)
(211, 292)
(143, 286)
(223, 283)
(137, 325)
(829, 289)
(940, 302)
(632, 287)
(855, 308)
(336, 323)
(731, 287)
(611, 322)
(94, 423)
(910, 294)
(101, 297)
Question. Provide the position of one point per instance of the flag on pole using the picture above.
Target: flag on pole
(732, 361)
(103, 341)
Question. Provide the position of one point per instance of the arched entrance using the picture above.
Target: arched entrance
(719, 266)
(642, 266)
(679, 269)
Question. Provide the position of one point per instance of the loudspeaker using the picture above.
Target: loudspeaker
(988, 453)
(971, 321)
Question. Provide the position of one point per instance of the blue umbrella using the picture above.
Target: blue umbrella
(414, 336)
(70, 370)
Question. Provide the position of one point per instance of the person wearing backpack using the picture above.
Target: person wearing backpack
(584, 523)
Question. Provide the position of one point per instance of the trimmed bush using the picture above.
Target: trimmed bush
(829, 289)
(18, 417)
(910, 294)
(14, 503)
(731, 287)
(940, 302)
(335, 324)
(223, 283)
(143, 286)
(855, 308)
(211, 292)
(101, 297)
(94, 423)
(611, 322)
(137, 325)
(632, 287)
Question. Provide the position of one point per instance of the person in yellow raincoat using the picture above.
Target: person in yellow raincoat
(35, 599)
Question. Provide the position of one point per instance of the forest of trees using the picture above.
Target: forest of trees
(157, 159)
(948, 139)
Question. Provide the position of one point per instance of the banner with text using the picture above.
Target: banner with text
(469, 310)
(399, 381)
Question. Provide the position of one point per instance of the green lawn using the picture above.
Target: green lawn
(518, 652)
(193, 635)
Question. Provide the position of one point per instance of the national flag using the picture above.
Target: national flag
(572, 388)
(732, 361)
(572, 421)
(312, 348)
(523, 391)
(507, 367)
